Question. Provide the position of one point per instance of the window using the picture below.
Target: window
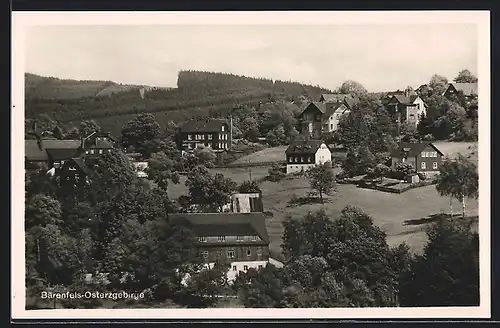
(254, 238)
(62, 162)
(290, 159)
(206, 144)
(260, 266)
(223, 128)
(245, 267)
(331, 126)
(109, 150)
(302, 159)
(205, 254)
(202, 239)
(259, 251)
(190, 137)
(230, 253)
(86, 152)
(209, 137)
(57, 165)
(422, 165)
(221, 238)
(249, 252)
(239, 238)
(434, 154)
(219, 253)
(403, 159)
(100, 151)
(234, 268)
(435, 165)
(91, 151)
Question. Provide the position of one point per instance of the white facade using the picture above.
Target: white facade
(242, 266)
(322, 155)
(415, 111)
(332, 123)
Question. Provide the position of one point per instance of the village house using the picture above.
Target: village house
(425, 157)
(240, 239)
(207, 132)
(324, 116)
(469, 90)
(407, 108)
(54, 153)
(302, 155)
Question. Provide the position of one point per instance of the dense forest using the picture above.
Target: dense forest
(197, 94)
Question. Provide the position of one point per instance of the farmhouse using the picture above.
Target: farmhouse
(302, 155)
(318, 118)
(238, 238)
(469, 90)
(207, 132)
(423, 156)
(54, 153)
(407, 108)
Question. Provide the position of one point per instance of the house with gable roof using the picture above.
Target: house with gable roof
(240, 239)
(425, 157)
(207, 132)
(302, 155)
(407, 108)
(324, 116)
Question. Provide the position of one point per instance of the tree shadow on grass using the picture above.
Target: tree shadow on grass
(306, 200)
(435, 217)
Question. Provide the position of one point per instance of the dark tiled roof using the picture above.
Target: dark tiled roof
(304, 147)
(340, 97)
(32, 151)
(320, 106)
(102, 144)
(468, 89)
(402, 99)
(58, 154)
(226, 224)
(203, 125)
(413, 148)
(331, 109)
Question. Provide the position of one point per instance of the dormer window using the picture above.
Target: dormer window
(239, 238)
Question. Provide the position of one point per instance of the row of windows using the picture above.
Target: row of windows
(429, 154)
(301, 159)
(231, 253)
(100, 151)
(223, 238)
(221, 145)
(423, 165)
(245, 267)
(208, 137)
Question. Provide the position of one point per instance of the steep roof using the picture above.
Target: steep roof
(402, 99)
(468, 89)
(304, 147)
(226, 224)
(412, 149)
(203, 125)
(332, 109)
(81, 164)
(32, 150)
(58, 154)
(103, 144)
(349, 99)
(319, 105)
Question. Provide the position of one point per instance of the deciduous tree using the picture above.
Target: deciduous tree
(322, 179)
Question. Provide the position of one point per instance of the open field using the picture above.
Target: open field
(396, 214)
(276, 154)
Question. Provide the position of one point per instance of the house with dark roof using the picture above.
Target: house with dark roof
(207, 132)
(407, 108)
(467, 89)
(322, 117)
(425, 157)
(54, 153)
(349, 100)
(302, 155)
(239, 238)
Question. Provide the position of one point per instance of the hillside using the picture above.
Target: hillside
(41, 87)
(198, 93)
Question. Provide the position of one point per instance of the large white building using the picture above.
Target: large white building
(302, 155)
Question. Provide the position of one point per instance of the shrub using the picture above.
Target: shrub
(276, 173)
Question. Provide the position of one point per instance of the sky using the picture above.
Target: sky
(380, 57)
